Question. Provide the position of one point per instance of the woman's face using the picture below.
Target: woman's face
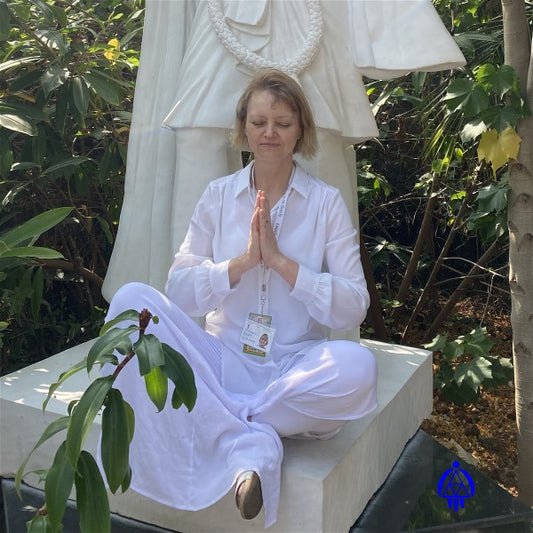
(272, 128)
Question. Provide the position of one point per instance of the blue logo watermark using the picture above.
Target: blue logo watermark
(456, 485)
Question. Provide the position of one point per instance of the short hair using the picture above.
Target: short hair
(283, 88)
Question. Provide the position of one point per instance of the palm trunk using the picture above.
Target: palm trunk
(518, 52)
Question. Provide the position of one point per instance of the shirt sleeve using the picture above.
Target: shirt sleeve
(195, 282)
(338, 297)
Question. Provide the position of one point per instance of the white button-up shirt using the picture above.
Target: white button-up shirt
(330, 289)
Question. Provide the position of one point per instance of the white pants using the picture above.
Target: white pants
(174, 452)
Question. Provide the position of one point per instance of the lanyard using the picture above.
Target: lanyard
(264, 271)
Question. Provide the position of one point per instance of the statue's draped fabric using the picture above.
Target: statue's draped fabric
(187, 79)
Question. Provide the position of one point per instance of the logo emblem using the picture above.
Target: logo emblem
(456, 485)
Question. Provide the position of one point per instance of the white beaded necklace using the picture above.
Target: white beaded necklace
(294, 66)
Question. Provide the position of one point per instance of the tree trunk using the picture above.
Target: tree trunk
(518, 50)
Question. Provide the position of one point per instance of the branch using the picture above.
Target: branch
(70, 267)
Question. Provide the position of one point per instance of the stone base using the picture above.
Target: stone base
(325, 485)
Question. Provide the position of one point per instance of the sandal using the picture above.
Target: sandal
(248, 494)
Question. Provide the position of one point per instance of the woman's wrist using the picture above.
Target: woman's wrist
(286, 268)
(237, 267)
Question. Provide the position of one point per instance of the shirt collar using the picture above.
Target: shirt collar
(300, 182)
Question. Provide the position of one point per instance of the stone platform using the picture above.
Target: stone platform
(325, 484)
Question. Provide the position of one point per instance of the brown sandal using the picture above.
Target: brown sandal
(248, 494)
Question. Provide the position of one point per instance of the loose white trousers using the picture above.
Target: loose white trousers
(190, 460)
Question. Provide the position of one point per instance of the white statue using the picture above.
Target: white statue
(197, 56)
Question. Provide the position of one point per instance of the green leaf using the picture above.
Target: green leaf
(105, 226)
(150, 353)
(461, 395)
(58, 485)
(33, 228)
(106, 88)
(33, 111)
(477, 342)
(497, 80)
(18, 123)
(5, 26)
(156, 382)
(36, 252)
(53, 77)
(64, 375)
(501, 118)
(130, 314)
(115, 444)
(54, 39)
(91, 496)
(437, 344)
(493, 197)
(19, 62)
(180, 373)
(24, 80)
(467, 96)
(82, 417)
(453, 350)
(80, 94)
(177, 400)
(37, 292)
(473, 373)
(488, 226)
(45, 10)
(61, 107)
(127, 481)
(59, 14)
(52, 429)
(74, 161)
(76, 115)
(130, 415)
(502, 370)
(113, 339)
(38, 524)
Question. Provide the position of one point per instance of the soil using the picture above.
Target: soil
(483, 434)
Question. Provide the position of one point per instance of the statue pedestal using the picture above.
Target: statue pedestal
(325, 484)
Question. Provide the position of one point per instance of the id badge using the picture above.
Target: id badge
(257, 335)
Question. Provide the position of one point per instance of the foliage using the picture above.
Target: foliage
(18, 265)
(466, 366)
(444, 138)
(492, 106)
(67, 72)
(75, 467)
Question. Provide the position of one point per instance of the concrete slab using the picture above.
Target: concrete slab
(325, 484)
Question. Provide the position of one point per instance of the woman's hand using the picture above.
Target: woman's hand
(252, 257)
(262, 246)
(268, 244)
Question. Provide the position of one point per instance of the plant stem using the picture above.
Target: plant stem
(144, 319)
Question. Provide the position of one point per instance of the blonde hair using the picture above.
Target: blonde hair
(283, 88)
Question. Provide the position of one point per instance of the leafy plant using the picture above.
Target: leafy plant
(465, 366)
(19, 259)
(67, 73)
(75, 467)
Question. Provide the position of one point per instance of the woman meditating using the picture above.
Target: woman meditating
(271, 260)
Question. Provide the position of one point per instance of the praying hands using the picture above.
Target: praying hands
(262, 247)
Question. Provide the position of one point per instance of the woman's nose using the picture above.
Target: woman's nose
(270, 130)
